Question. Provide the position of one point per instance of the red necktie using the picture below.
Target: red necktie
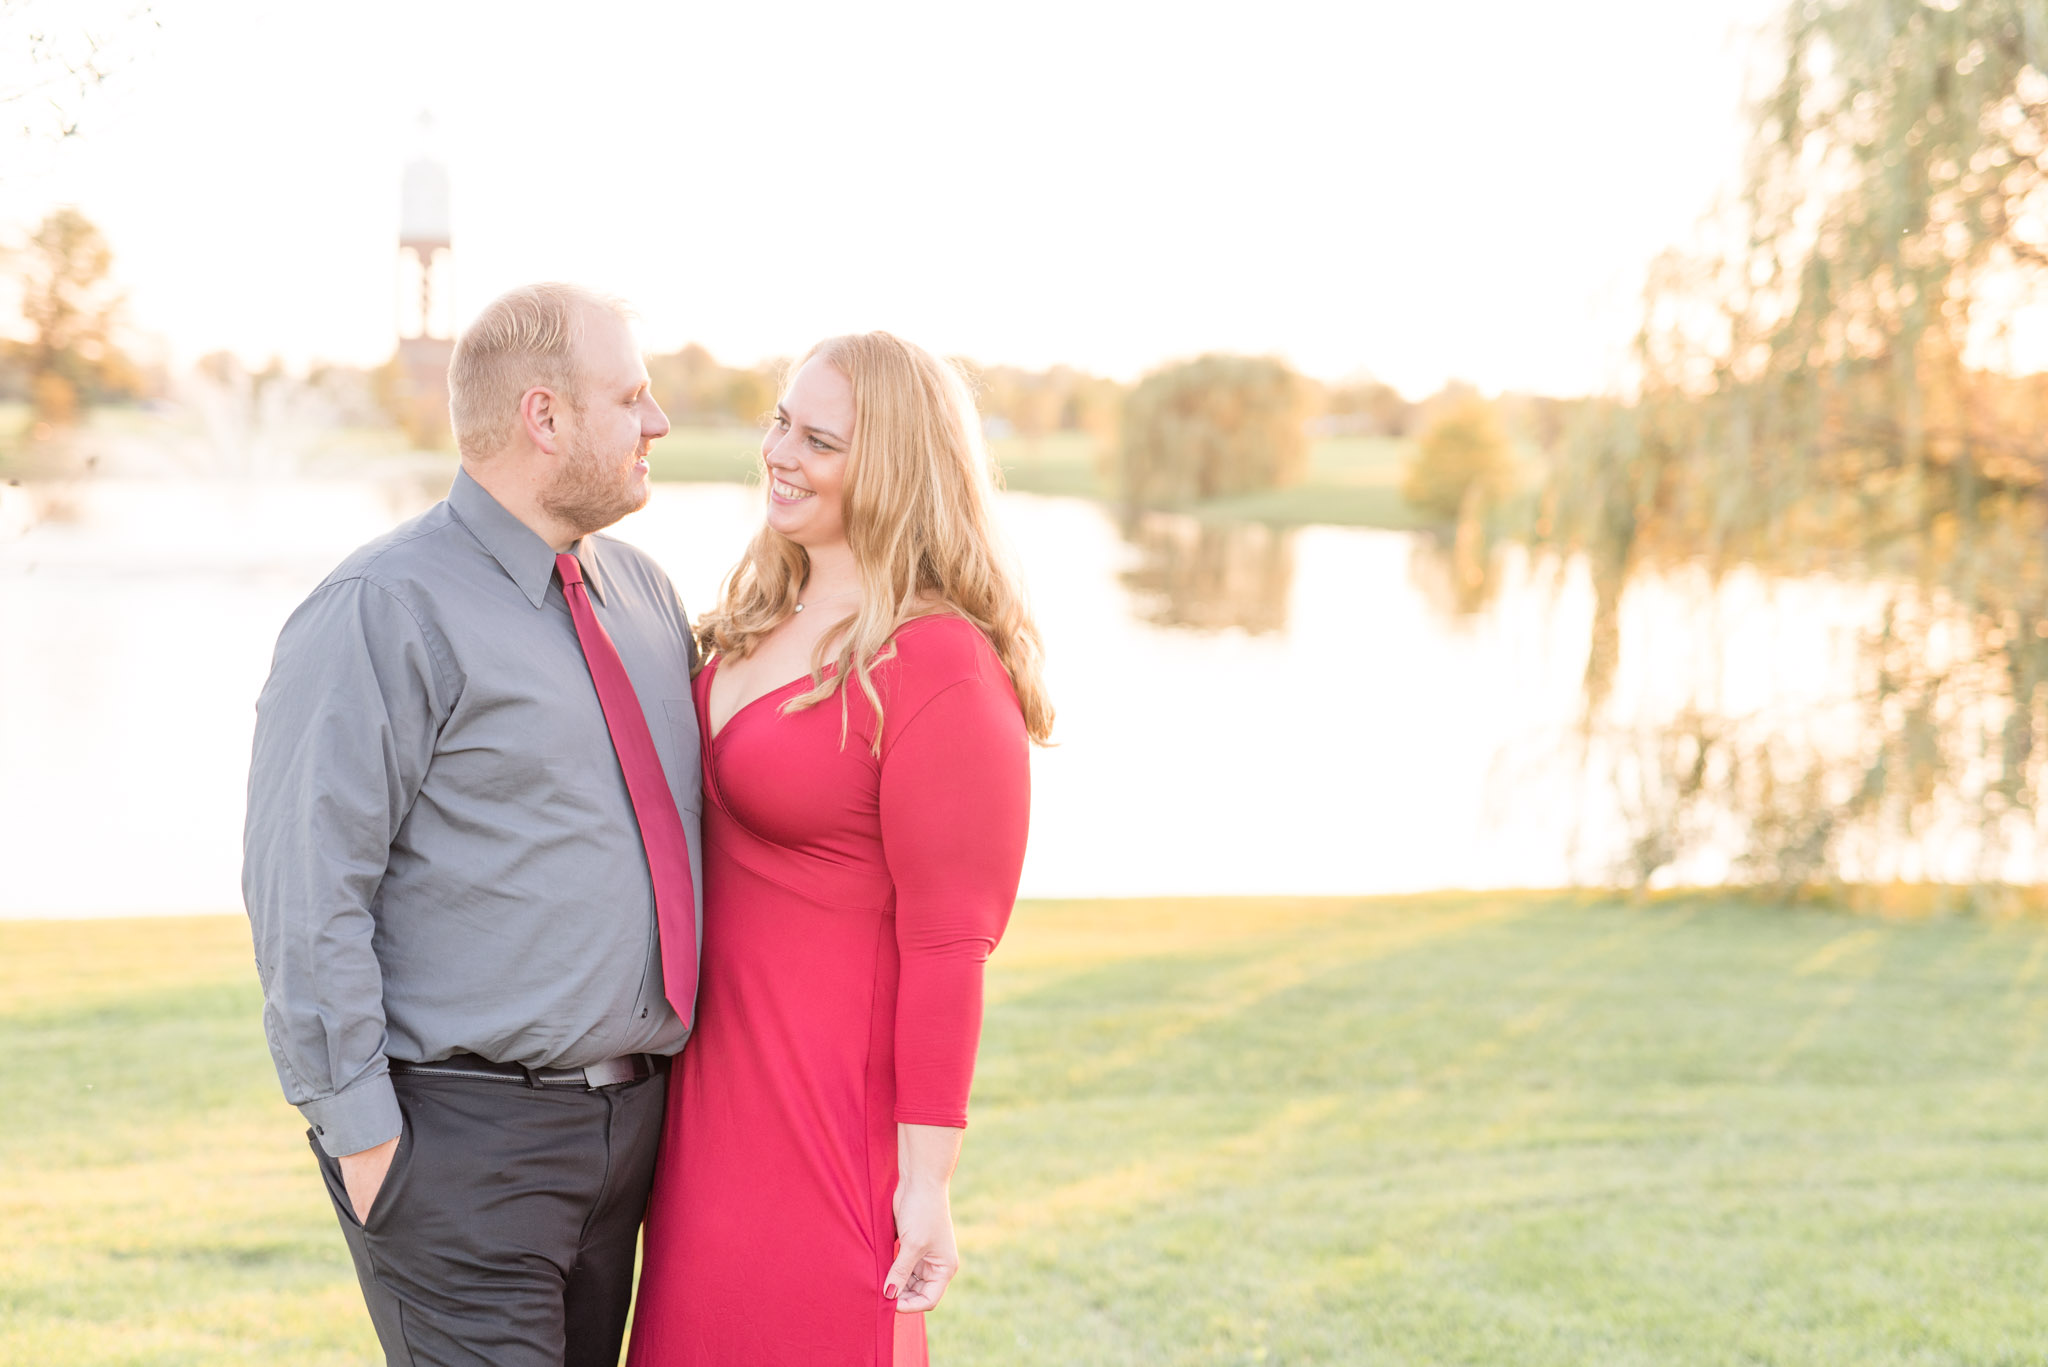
(661, 826)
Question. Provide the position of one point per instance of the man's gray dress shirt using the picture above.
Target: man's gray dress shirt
(441, 855)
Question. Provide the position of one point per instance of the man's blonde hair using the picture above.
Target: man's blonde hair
(525, 338)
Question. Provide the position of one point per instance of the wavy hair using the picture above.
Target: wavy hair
(919, 511)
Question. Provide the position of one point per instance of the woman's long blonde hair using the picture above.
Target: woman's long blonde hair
(919, 510)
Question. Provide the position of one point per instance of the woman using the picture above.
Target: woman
(867, 712)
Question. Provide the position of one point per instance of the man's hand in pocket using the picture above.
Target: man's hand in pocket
(362, 1176)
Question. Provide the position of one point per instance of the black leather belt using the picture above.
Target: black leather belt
(610, 1073)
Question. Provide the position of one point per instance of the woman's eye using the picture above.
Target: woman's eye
(819, 443)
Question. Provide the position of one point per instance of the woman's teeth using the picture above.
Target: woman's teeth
(790, 490)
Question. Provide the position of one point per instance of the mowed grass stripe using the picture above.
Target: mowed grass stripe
(1575, 1134)
(1452, 1129)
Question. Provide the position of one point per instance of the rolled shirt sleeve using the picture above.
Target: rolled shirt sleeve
(345, 729)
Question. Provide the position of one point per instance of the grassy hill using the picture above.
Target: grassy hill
(1455, 1129)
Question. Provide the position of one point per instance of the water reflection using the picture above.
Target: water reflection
(1330, 727)
(1210, 575)
(1459, 572)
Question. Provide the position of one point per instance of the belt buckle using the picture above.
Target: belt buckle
(609, 1073)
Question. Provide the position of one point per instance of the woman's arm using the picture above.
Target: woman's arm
(926, 1255)
(955, 803)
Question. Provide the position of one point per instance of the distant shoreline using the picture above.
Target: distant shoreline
(1353, 481)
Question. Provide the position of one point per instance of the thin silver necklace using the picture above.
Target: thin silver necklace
(833, 599)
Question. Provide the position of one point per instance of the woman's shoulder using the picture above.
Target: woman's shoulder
(944, 646)
(938, 650)
(946, 675)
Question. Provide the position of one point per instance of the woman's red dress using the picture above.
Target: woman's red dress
(850, 902)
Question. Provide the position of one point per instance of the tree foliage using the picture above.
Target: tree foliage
(694, 388)
(1365, 407)
(1463, 460)
(1036, 403)
(1834, 390)
(1213, 426)
(70, 306)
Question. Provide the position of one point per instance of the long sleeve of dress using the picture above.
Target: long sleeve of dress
(955, 805)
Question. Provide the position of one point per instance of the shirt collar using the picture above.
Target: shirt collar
(585, 551)
(526, 559)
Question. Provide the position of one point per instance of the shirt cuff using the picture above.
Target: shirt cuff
(362, 1117)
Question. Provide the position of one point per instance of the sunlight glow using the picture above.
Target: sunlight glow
(1355, 187)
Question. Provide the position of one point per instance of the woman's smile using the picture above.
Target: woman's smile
(789, 493)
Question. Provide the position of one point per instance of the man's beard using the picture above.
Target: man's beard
(591, 491)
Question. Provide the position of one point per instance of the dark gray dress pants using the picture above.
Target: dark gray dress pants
(505, 1232)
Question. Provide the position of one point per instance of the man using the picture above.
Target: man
(471, 860)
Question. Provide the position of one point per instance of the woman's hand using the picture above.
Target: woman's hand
(926, 1256)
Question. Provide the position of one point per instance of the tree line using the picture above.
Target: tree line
(1191, 430)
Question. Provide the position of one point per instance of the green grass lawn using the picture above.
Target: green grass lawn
(1352, 481)
(706, 455)
(1070, 464)
(1456, 1129)
(1064, 463)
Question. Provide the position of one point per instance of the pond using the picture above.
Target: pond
(1241, 710)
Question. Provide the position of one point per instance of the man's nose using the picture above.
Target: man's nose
(654, 423)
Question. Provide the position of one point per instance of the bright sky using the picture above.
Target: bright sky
(1418, 191)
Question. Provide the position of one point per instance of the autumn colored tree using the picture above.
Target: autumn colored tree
(1213, 426)
(693, 388)
(1366, 407)
(70, 307)
(1462, 465)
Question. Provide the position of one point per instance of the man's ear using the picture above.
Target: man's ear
(537, 409)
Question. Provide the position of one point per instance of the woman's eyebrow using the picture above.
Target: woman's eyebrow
(829, 436)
